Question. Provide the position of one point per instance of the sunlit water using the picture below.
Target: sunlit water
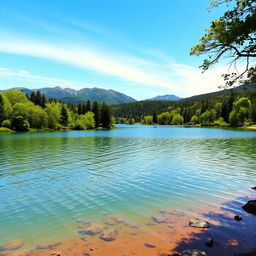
(49, 180)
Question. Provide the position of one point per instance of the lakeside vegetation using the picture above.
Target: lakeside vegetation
(233, 108)
(21, 112)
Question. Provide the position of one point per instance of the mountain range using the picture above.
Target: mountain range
(81, 96)
(166, 98)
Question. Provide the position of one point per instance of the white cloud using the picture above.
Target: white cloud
(39, 81)
(159, 70)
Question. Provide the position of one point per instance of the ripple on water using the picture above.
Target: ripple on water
(47, 180)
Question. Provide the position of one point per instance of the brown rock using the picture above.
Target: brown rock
(93, 229)
(113, 219)
(109, 234)
(48, 245)
(159, 219)
(12, 245)
(55, 254)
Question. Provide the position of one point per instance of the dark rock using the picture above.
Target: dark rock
(238, 218)
(109, 235)
(55, 254)
(254, 188)
(198, 223)
(150, 245)
(209, 242)
(250, 207)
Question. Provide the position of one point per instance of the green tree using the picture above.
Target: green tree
(194, 119)
(177, 119)
(53, 111)
(96, 112)
(88, 106)
(231, 36)
(15, 96)
(155, 118)
(2, 112)
(241, 112)
(20, 117)
(147, 120)
(105, 116)
(64, 116)
(164, 118)
(88, 120)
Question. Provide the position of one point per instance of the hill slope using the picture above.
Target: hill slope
(81, 96)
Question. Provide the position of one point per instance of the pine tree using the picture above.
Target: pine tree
(79, 109)
(88, 106)
(2, 114)
(105, 116)
(96, 111)
(64, 116)
(38, 99)
(154, 118)
(33, 97)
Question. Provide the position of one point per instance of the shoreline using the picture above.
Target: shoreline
(163, 234)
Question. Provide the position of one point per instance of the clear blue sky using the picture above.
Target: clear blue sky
(138, 47)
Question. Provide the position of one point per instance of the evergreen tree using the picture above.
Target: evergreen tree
(33, 97)
(105, 116)
(38, 99)
(79, 109)
(2, 114)
(88, 106)
(64, 116)
(83, 109)
(154, 118)
(43, 101)
(96, 111)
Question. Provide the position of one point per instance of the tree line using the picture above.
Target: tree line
(229, 108)
(22, 112)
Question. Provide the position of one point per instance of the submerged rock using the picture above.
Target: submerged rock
(254, 188)
(84, 222)
(150, 245)
(93, 229)
(109, 234)
(12, 245)
(159, 219)
(193, 253)
(113, 219)
(238, 218)
(55, 254)
(209, 242)
(48, 245)
(198, 223)
(250, 207)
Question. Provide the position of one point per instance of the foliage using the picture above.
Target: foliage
(2, 112)
(240, 112)
(15, 96)
(231, 36)
(7, 124)
(177, 119)
(4, 130)
(147, 120)
(106, 120)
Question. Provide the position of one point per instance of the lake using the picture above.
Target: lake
(51, 180)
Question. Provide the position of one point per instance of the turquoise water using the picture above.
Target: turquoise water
(49, 180)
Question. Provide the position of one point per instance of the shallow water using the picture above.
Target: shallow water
(49, 180)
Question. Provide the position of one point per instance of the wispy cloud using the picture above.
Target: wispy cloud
(157, 70)
(35, 81)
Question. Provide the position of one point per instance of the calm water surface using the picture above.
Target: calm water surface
(48, 180)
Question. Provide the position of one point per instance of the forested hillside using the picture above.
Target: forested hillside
(22, 112)
(207, 109)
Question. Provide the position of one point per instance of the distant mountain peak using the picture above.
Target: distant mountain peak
(82, 95)
(166, 97)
